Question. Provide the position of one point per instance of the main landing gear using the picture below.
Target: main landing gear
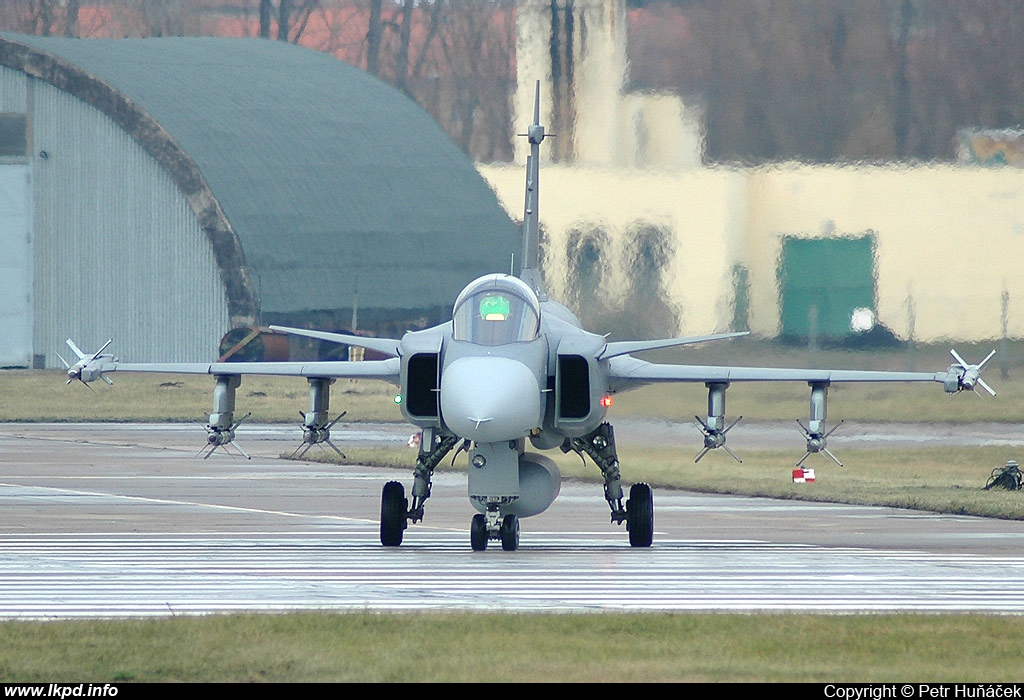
(638, 512)
(395, 510)
(393, 514)
(640, 516)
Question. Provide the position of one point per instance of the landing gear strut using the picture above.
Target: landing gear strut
(638, 512)
(395, 510)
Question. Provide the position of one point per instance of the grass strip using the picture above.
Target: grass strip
(477, 647)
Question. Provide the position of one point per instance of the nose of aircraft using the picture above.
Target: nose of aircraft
(489, 399)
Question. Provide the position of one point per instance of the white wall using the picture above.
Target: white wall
(950, 239)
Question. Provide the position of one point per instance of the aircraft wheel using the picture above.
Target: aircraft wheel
(510, 533)
(478, 533)
(393, 507)
(640, 516)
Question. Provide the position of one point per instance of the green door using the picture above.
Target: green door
(822, 281)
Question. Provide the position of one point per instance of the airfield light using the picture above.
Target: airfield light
(398, 398)
(606, 401)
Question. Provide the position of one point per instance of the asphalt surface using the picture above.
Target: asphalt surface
(130, 520)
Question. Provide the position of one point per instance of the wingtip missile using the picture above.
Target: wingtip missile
(965, 376)
(89, 368)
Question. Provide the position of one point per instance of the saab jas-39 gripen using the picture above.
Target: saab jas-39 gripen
(514, 368)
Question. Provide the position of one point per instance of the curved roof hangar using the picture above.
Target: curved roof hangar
(312, 180)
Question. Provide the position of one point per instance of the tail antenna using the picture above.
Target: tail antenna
(531, 221)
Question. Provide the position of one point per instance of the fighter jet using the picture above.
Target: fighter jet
(514, 370)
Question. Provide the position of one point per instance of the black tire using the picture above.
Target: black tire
(510, 533)
(393, 508)
(640, 516)
(478, 533)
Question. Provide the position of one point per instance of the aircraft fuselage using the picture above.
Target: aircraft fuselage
(506, 370)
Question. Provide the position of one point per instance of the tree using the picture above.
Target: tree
(967, 70)
(41, 17)
(374, 32)
(829, 80)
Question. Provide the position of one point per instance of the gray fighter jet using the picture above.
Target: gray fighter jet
(514, 368)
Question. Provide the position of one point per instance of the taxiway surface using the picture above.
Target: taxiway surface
(124, 520)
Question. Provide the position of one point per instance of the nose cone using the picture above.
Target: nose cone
(489, 399)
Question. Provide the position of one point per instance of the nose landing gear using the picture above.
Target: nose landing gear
(486, 527)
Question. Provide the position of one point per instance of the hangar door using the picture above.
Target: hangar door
(823, 282)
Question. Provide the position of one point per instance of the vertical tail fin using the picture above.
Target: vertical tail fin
(531, 221)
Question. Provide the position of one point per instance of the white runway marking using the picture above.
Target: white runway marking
(100, 575)
(13, 494)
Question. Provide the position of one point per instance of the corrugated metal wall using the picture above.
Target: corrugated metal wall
(15, 264)
(118, 251)
(13, 91)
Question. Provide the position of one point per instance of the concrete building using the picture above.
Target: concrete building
(162, 192)
(933, 253)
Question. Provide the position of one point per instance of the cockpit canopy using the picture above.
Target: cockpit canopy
(495, 310)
